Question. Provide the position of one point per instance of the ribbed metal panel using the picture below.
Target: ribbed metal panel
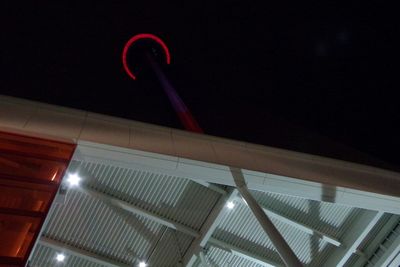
(87, 223)
(178, 199)
(45, 257)
(222, 258)
(386, 243)
(375, 237)
(92, 225)
(370, 238)
(352, 261)
(170, 249)
(329, 218)
(240, 228)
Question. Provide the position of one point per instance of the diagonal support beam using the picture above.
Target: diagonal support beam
(141, 212)
(211, 186)
(208, 227)
(70, 250)
(284, 250)
(354, 237)
(205, 234)
(243, 253)
(302, 227)
(203, 259)
(370, 250)
(294, 174)
(391, 257)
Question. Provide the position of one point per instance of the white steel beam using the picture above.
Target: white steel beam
(206, 235)
(354, 237)
(70, 250)
(243, 253)
(391, 257)
(284, 250)
(142, 212)
(390, 224)
(261, 181)
(208, 228)
(211, 186)
(203, 259)
(302, 227)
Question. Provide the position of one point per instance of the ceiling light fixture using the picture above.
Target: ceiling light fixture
(60, 257)
(230, 205)
(73, 179)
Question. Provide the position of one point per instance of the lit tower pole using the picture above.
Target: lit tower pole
(179, 106)
(190, 124)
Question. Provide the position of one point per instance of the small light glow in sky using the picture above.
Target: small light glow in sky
(142, 264)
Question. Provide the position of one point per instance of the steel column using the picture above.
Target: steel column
(284, 251)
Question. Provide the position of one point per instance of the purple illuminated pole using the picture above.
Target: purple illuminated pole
(179, 106)
(190, 124)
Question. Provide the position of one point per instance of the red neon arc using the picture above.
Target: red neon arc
(137, 38)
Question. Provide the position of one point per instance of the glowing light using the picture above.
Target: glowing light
(137, 38)
(142, 264)
(230, 205)
(54, 176)
(73, 179)
(60, 257)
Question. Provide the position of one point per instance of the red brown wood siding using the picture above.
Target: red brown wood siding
(31, 170)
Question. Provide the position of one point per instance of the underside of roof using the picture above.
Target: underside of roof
(122, 216)
(156, 195)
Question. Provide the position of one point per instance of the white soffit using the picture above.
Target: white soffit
(221, 174)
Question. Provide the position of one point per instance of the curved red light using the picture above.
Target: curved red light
(137, 38)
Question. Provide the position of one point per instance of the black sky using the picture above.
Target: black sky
(269, 72)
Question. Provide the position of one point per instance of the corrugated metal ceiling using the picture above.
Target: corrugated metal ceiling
(45, 257)
(89, 224)
(170, 197)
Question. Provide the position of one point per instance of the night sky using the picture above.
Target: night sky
(305, 76)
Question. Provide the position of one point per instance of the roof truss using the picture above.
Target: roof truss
(354, 237)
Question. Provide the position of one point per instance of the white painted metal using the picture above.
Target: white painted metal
(210, 186)
(208, 228)
(117, 143)
(391, 256)
(305, 228)
(244, 254)
(203, 259)
(173, 225)
(56, 122)
(377, 239)
(284, 250)
(352, 240)
(220, 174)
(396, 261)
(168, 196)
(80, 253)
(142, 212)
